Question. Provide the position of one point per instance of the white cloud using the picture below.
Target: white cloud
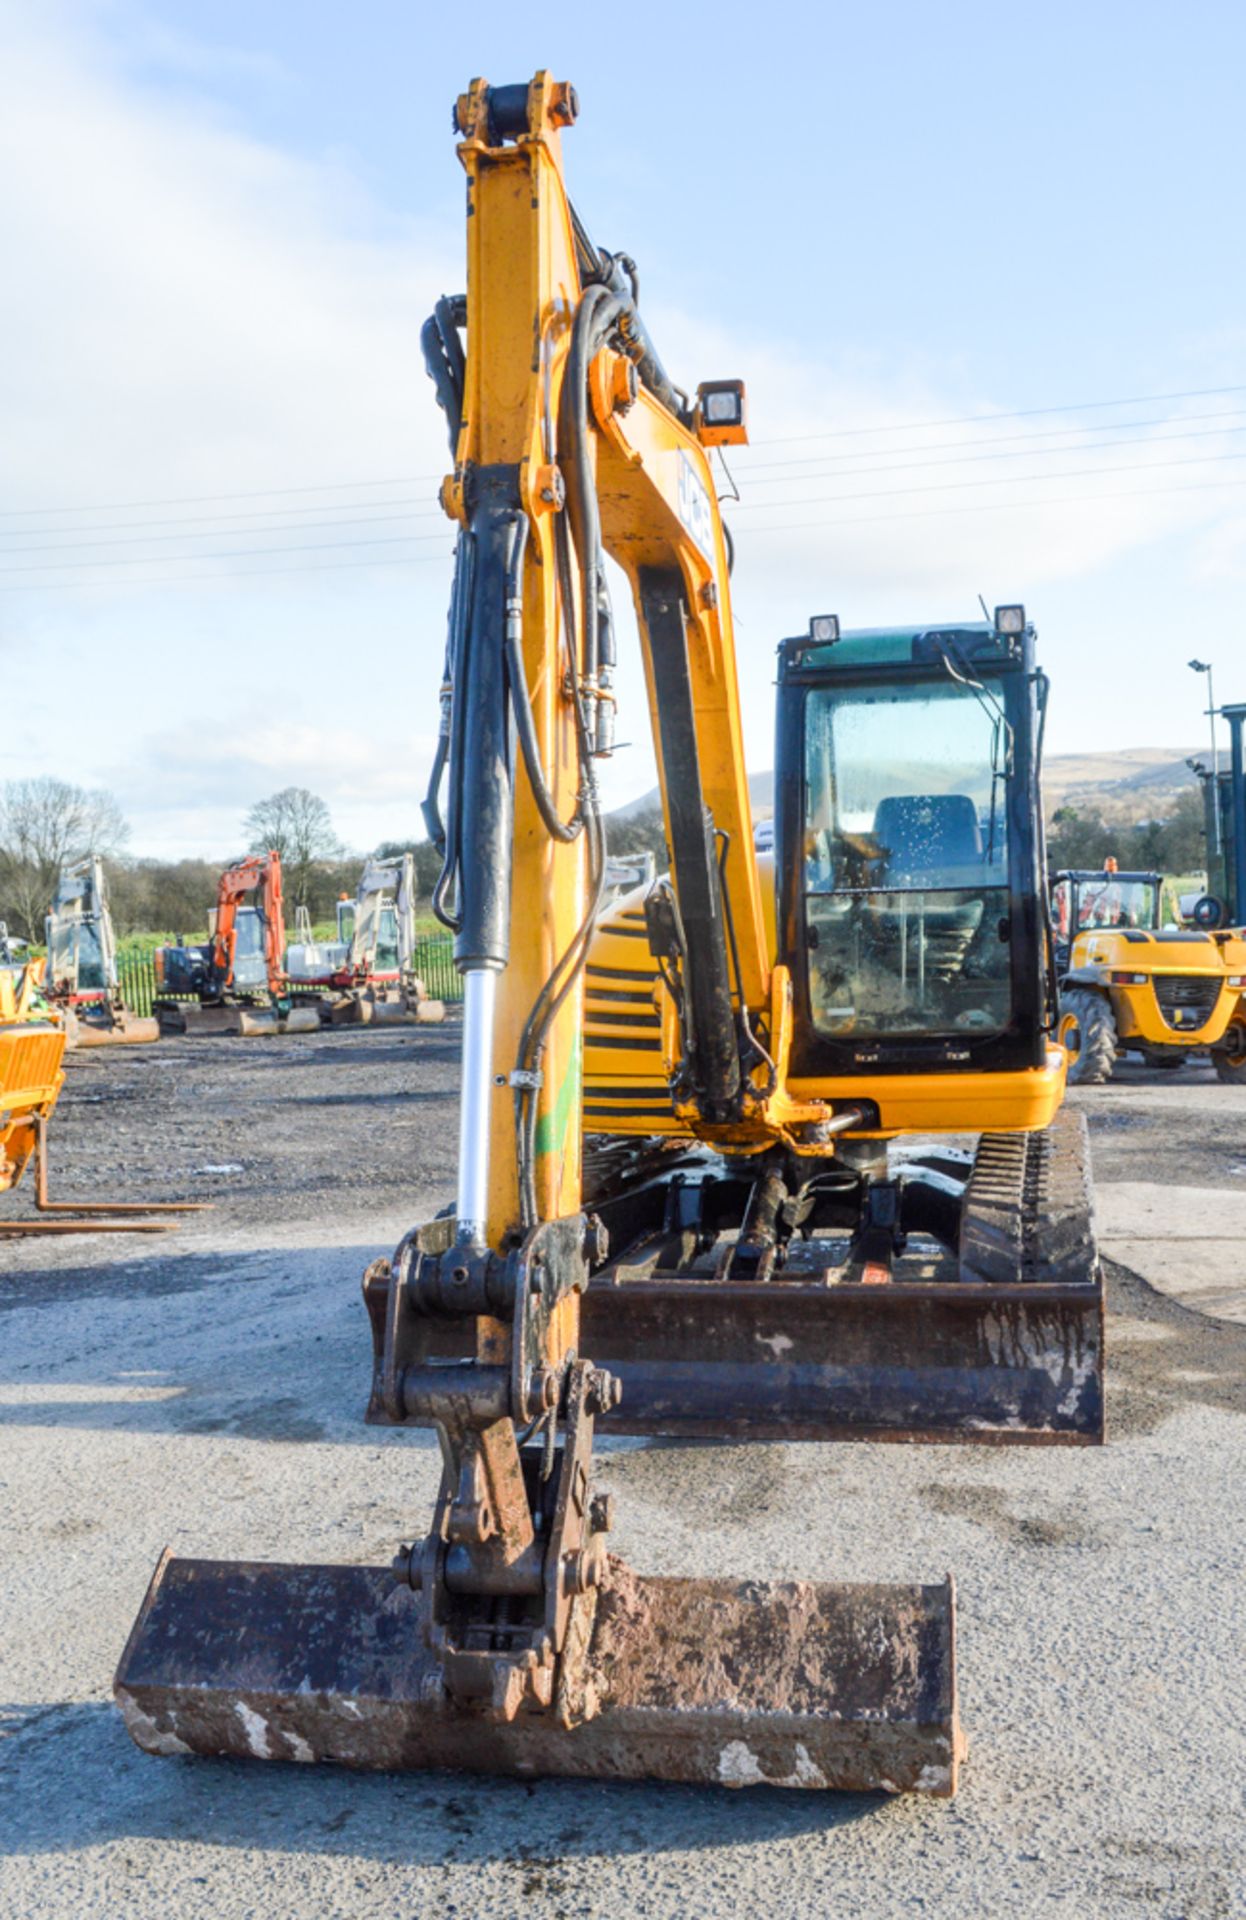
(193, 312)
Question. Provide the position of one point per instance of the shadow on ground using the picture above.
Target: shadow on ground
(409, 1820)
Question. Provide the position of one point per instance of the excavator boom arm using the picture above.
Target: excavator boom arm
(259, 874)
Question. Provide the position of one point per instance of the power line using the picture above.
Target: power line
(748, 470)
(417, 502)
(1020, 413)
(431, 479)
(995, 480)
(786, 526)
(997, 506)
(202, 499)
(232, 553)
(420, 509)
(242, 573)
(150, 539)
(418, 513)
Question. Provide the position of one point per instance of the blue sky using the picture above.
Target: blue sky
(933, 240)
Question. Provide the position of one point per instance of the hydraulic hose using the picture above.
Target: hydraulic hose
(440, 372)
(458, 666)
(521, 704)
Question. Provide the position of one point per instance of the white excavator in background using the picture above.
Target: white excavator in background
(371, 966)
(83, 983)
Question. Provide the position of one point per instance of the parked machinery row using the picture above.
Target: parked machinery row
(243, 980)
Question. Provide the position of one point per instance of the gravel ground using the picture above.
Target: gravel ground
(206, 1389)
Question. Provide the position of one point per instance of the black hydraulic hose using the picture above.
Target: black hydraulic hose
(1042, 686)
(521, 703)
(597, 311)
(446, 313)
(544, 1012)
(440, 372)
(430, 808)
(559, 983)
(458, 669)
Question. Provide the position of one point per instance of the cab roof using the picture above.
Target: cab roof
(897, 646)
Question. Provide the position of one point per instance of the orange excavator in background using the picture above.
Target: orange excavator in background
(235, 983)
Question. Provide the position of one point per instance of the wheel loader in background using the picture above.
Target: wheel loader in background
(84, 984)
(762, 1239)
(1130, 985)
(236, 982)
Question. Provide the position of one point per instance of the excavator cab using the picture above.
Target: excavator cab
(906, 808)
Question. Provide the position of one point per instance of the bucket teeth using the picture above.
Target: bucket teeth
(710, 1681)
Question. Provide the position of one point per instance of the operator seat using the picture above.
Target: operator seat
(924, 836)
(929, 841)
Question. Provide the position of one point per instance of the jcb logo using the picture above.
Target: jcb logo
(694, 506)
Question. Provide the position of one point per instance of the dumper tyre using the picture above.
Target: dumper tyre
(1088, 1033)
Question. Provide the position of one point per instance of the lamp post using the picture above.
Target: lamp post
(1204, 666)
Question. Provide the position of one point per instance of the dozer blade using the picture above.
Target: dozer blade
(908, 1361)
(129, 1030)
(987, 1328)
(298, 1020)
(199, 1021)
(708, 1681)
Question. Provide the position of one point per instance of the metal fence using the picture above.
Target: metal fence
(136, 974)
(434, 963)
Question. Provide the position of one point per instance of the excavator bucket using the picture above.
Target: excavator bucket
(714, 1682)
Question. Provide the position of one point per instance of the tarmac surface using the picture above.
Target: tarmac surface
(206, 1390)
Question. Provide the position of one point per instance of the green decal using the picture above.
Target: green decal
(551, 1128)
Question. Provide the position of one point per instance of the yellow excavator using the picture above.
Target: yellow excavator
(702, 1189)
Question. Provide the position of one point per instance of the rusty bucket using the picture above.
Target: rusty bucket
(715, 1682)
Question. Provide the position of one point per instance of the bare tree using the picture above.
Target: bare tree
(45, 824)
(297, 825)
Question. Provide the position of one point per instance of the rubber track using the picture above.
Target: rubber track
(1028, 1210)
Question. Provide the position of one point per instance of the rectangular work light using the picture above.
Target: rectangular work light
(1010, 619)
(720, 416)
(824, 629)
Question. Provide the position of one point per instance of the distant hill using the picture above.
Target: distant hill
(1133, 783)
